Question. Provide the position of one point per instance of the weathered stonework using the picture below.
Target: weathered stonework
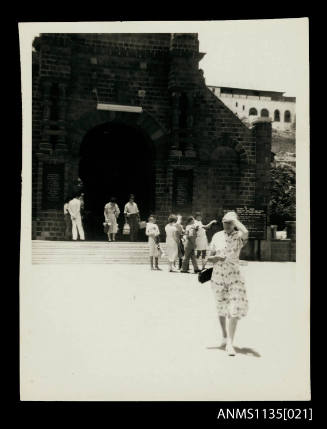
(187, 127)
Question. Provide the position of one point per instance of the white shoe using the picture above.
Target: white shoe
(230, 349)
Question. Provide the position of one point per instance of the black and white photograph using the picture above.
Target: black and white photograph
(164, 241)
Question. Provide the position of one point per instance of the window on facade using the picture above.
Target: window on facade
(243, 107)
(53, 140)
(276, 116)
(287, 116)
(253, 111)
(236, 104)
(54, 98)
(183, 105)
(264, 113)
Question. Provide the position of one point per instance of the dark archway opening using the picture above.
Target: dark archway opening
(116, 161)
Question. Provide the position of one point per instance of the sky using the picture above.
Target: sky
(266, 54)
(263, 54)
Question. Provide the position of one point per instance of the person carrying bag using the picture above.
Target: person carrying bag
(227, 282)
(132, 217)
(126, 229)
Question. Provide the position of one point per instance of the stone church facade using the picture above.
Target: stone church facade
(115, 114)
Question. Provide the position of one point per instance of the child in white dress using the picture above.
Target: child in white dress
(152, 231)
(201, 242)
(171, 242)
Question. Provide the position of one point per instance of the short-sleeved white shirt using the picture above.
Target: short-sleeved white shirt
(131, 208)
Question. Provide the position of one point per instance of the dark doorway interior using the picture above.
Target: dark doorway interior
(116, 160)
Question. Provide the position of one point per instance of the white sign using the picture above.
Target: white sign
(120, 108)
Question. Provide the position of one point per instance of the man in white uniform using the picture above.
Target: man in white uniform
(132, 216)
(74, 208)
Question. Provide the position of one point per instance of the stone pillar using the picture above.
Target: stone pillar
(291, 234)
(61, 144)
(184, 78)
(263, 135)
(62, 104)
(46, 86)
(189, 148)
(273, 229)
(45, 146)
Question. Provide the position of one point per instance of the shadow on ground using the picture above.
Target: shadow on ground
(242, 350)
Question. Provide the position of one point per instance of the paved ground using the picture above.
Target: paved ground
(118, 332)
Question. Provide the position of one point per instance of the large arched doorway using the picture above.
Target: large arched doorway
(115, 160)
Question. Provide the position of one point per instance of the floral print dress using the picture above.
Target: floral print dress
(227, 282)
(111, 212)
(151, 230)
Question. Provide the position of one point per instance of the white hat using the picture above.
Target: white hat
(230, 216)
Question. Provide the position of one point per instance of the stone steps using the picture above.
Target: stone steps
(79, 252)
(92, 252)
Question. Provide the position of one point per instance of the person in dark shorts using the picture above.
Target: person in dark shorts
(180, 234)
(68, 221)
(190, 233)
(132, 217)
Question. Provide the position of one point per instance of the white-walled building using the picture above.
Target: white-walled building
(249, 104)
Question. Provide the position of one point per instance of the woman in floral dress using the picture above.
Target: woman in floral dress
(227, 282)
(111, 213)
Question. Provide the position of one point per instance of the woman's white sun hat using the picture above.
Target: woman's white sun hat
(229, 217)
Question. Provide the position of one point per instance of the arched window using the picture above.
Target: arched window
(253, 111)
(287, 116)
(277, 116)
(264, 113)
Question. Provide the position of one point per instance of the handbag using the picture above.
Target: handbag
(126, 229)
(106, 227)
(205, 275)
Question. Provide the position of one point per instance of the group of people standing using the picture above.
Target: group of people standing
(73, 214)
(185, 244)
(131, 214)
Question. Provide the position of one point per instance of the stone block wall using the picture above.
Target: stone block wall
(272, 249)
(262, 133)
(73, 72)
(291, 233)
(280, 250)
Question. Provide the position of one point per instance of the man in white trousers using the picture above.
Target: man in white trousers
(74, 208)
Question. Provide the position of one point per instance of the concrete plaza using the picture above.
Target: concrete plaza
(122, 332)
